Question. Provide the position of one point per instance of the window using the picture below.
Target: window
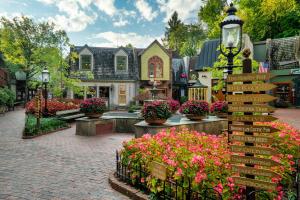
(122, 94)
(121, 62)
(86, 62)
(155, 67)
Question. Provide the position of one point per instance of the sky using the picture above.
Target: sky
(105, 23)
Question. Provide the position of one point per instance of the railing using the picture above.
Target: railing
(171, 189)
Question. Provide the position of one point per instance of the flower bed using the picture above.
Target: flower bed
(203, 161)
(53, 106)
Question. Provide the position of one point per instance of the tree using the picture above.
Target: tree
(32, 46)
(129, 45)
(174, 32)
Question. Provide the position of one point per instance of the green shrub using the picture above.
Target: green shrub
(7, 97)
(183, 99)
(133, 108)
(46, 124)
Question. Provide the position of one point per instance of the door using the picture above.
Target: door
(122, 95)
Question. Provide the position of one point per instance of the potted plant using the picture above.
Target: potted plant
(174, 105)
(93, 107)
(156, 112)
(219, 108)
(195, 109)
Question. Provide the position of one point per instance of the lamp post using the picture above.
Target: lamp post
(45, 80)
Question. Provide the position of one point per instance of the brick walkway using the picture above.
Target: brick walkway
(55, 166)
(290, 116)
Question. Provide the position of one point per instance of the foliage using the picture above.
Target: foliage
(93, 105)
(173, 104)
(183, 99)
(204, 160)
(53, 105)
(7, 97)
(156, 110)
(195, 107)
(46, 125)
(133, 108)
(219, 106)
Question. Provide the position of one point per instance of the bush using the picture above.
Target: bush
(156, 110)
(93, 105)
(7, 97)
(219, 106)
(195, 107)
(183, 99)
(133, 108)
(173, 104)
(46, 125)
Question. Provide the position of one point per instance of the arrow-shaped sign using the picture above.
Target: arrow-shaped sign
(253, 129)
(250, 98)
(253, 161)
(253, 150)
(253, 171)
(251, 118)
(250, 87)
(251, 139)
(250, 108)
(249, 77)
(255, 183)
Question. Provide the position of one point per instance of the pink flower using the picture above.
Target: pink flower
(219, 188)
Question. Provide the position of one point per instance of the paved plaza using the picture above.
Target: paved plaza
(290, 116)
(55, 166)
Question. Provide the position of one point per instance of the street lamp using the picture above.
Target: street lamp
(231, 36)
(45, 80)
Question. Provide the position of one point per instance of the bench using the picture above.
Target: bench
(68, 115)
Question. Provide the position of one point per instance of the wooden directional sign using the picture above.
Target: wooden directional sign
(158, 170)
(250, 98)
(250, 87)
(253, 161)
(253, 171)
(250, 139)
(251, 118)
(253, 129)
(248, 77)
(250, 108)
(255, 183)
(253, 150)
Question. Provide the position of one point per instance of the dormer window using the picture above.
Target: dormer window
(85, 62)
(121, 61)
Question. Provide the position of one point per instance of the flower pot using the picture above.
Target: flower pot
(155, 121)
(93, 115)
(195, 117)
(222, 115)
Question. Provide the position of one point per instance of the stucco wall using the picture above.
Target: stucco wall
(155, 50)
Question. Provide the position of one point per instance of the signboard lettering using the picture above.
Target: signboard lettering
(250, 98)
(251, 118)
(255, 183)
(253, 129)
(250, 108)
(251, 139)
(253, 150)
(250, 87)
(158, 170)
(253, 171)
(248, 77)
(253, 161)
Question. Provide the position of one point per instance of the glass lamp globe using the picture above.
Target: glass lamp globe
(45, 76)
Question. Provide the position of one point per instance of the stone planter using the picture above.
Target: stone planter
(93, 115)
(195, 117)
(222, 115)
(155, 121)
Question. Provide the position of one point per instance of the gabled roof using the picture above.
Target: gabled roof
(208, 55)
(155, 42)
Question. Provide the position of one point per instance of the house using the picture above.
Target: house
(115, 71)
(156, 63)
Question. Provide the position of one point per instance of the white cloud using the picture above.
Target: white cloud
(106, 6)
(146, 10)
(117, 39)
(187, 9)
(121, 22)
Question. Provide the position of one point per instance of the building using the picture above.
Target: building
(156, 62)
(115, 71)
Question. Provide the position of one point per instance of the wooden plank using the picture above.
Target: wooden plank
(158, 170)
(253, 129)
(255, 183)
(253, 161)
(250, 87)
(249, 77)
(250, 108)
(253, 171)
(251, 118)
(251, 139)
(250, 98)
(253, 150)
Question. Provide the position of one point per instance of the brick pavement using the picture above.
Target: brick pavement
(290, 116)
(55, 166)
